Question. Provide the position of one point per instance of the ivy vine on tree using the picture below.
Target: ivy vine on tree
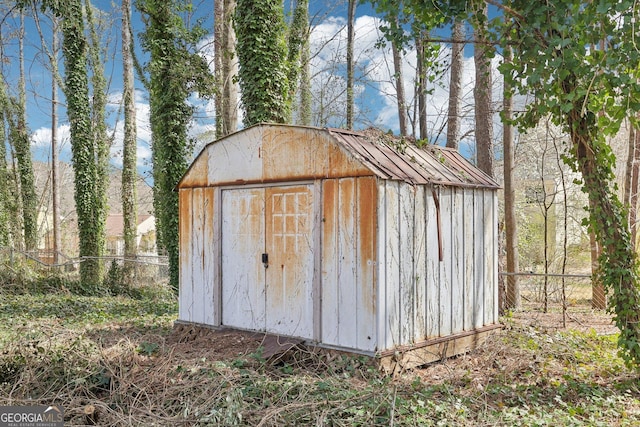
(175, 71)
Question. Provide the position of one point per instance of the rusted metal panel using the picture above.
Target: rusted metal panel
(406, 195)
(349, 263)
(290, 249)
(479, 262)
(198, 255)
(367, 191)
(490, 276)
(433, 266)
(198, 173)
(186, 282)
(330, 264)
(238, 157)
(209, 260)
(457, 260)
(243, 243)
(391, 259)
(446, 273)
(420, 261)
(468, 261)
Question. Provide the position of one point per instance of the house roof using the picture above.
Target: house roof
(256, 154)
(115, 223)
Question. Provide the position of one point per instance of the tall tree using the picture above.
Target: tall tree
(482, 92)
(175, 71)
(298, 39)
(55, 187)
(455, 83)
(22, 145)
(86, 155)
(262, 54)
(129, 142)
(4, 175)
(226, 68)
(512, 294)
(396, 49)
(351, 18)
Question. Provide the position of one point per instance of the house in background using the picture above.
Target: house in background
(145, 236)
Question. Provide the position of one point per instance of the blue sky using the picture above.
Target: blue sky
(375, 100)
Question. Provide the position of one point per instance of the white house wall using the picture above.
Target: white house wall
(420, 296)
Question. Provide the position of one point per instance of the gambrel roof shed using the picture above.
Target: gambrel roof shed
(349, 240)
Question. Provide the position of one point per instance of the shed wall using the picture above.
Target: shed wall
(348, 283)
(421, 296)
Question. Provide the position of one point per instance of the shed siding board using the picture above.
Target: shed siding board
(186, 283)
(457, 261)
(243, 151)
(480, 261)
(488, 248)
(392, 318)
(243, 276)
(367, 191)
(469, 225)
(197, 174)
(198, 255)
(406, 261)
(210, 262)
(446, 274)
(381, 268)
(347, 260)
(433, 266)
(420, 264)
(491, 240)
(330, 265)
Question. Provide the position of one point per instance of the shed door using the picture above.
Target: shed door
(276, 222)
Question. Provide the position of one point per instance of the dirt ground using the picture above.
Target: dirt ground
(227, 344)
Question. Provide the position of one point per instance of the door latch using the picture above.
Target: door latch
(265, 260)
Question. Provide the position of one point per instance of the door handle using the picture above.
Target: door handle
(265, 260)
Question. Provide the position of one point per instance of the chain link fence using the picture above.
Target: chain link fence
(556, 301)
(143, 270)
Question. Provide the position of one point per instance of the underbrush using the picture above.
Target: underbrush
(117, 361)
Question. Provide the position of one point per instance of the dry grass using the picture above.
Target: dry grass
(120, 362)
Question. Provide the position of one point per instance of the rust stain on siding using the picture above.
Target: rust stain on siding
(198, 173)
(368, 195)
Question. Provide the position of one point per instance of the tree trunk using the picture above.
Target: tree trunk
(305, 85)
(482, 97)
(512, 297)
(455, 84)
(218, 53)
(230, 71)
(351, 16)
(397, 68)
(101, 142)
(23, 153)
(633, 197)
(129, 143)
(4, 175)
(421, 88)
(55, 190)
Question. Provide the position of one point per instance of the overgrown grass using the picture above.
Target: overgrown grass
(115, 361)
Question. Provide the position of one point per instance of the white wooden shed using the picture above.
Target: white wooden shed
(346, 240)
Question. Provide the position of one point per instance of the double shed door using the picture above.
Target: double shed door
(268, 259)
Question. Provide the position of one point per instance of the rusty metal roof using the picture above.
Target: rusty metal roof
(392, 158)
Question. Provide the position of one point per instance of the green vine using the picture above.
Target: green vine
(262, 53)
(175, 71)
